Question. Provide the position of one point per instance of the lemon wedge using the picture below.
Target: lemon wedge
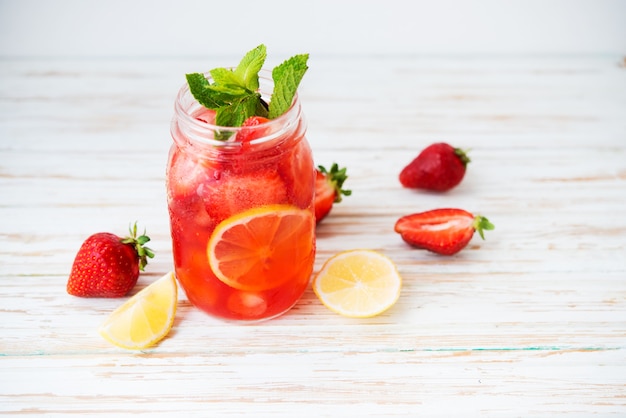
(144, 319)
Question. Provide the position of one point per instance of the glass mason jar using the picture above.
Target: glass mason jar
(241, 206)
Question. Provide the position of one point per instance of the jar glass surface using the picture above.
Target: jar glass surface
(241, 207)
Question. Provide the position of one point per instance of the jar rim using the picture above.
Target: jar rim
(204, 132)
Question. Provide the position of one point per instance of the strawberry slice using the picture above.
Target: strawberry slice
(235, 192)
(328, 189)
(186, 172)
(298, 172)
(442, 231)
(250, 129)
(205, 115)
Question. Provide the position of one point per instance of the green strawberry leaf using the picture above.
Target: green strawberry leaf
(336, 177)
(287, 77)
(138, 242)
(482, 224)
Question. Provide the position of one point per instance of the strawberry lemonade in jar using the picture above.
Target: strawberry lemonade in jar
(240, 189)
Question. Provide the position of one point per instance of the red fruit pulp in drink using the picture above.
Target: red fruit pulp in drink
(206, 186)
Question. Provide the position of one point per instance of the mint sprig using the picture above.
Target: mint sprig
(287, 77)
(234, 94)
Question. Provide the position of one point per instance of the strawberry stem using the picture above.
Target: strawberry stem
(336, 177)
(138, 243)
(462, 154)
(482, 224)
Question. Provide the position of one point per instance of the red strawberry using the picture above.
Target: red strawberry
(108, 266)
(328, 189)
(186, 172)
(235, 192)
(205, 115)
(438, 167)
(250, 130)
(443, 231)
(298, 172)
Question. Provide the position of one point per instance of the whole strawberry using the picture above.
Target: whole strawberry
(443, 231)
(439, 167)
(328, 189)
(108, 266)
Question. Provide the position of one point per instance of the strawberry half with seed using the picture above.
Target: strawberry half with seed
(328, 189)
(443, 231)
(108, 266)
(439, 167)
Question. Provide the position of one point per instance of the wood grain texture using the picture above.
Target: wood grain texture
(529, 322)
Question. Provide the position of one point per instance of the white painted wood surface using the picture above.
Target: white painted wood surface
(530, 322)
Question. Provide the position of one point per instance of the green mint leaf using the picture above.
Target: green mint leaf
(225, 77)
(234, 95)
(248, 69)
(287, 77)
(214, 96)
(201, 90)
(261, 109)
(238, 111)
(229, 93)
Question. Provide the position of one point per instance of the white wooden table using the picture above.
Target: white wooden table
(530, 322)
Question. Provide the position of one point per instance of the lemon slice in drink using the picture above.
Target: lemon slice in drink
(263, 248)
(358, 283)
(144, 319)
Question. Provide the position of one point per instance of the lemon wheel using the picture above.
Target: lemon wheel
(358, 283)
(262, 248)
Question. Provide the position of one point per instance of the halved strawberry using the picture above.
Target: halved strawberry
(443, 231)
(328, 189)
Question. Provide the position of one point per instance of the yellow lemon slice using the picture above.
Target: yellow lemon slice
(263, 248)
(358, 283)
(144, 319)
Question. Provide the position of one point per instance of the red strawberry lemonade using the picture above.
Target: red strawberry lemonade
(240, 200)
